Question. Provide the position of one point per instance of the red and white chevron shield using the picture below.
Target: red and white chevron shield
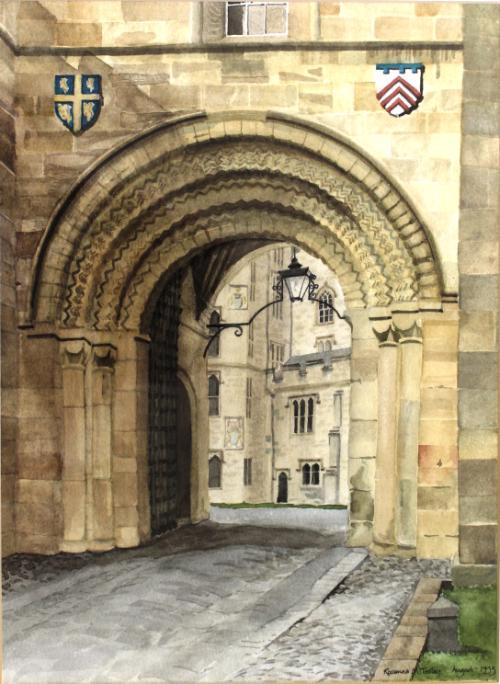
(399, 87)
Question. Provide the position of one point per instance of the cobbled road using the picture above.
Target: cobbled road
(205, 603)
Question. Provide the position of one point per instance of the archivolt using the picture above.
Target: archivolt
(155, 195)
(234, 224)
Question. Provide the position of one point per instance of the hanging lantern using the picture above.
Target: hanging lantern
(297, 280)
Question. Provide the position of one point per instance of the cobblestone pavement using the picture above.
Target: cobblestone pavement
(347, 635)
(205, 603)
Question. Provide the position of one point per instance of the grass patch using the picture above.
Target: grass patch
(244, 504)
(477, 635)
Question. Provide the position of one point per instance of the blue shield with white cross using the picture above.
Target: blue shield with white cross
(78, 100)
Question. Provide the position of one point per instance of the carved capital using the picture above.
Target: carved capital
(104, 357)
(388, 337)
(413, 334)
(74, 354)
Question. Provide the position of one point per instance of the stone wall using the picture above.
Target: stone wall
(128, 23)
(334, 86)
(437, 497)
(328, 83)
(9, 373)
(478, 265)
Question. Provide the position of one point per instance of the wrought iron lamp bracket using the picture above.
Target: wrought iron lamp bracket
(311, 290)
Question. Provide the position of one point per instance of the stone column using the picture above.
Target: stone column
(385, 471)
(103, 362)
(410, 341)
(129, 429)
(74, 355)
(362, 429)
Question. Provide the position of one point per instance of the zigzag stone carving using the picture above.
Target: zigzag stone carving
(286, 198)
(134, 296)
(106, 225)
(127, 218)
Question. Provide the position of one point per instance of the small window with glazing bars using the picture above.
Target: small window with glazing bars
(256, 18)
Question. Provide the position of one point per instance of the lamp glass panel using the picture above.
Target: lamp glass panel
(296, 286)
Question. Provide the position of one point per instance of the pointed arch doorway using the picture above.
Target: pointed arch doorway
(282, 488)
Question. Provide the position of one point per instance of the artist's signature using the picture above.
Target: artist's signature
(459, 672)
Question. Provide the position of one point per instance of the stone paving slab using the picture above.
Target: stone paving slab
(166, 612)
(186, 617)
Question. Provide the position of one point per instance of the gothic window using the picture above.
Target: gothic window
(278, 256)
(303, 415)
(325, 344)
(249, 398)
(255, 18)
(277, 308)
(325, 314)
(310, 413)
(247, 471)
(310, 473)
(295, 416)
(315, 474)
(215, 472)
(214, 349)
(253, 278)
(213, 395)
(277, 353)
(306, 474)
(250, 340)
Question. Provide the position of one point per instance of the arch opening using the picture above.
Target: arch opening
(193, 198)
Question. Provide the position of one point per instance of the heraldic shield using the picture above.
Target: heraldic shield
(399, 87)
(78, 101)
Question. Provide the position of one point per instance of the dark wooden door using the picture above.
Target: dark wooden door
(282, 488)
(163, 400)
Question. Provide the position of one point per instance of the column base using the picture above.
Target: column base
(360, 533)
(464, 575)
(73, 546)
(386, 549)
(99, 545)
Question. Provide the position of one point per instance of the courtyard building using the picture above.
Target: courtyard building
(150, 153)
(288, 378)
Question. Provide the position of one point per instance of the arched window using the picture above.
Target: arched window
(213, 395)
(328, 346)
(295, 416)
(315, 474)
(321, 347)
(310, 474)
(214, 348)
(214, 472)
(325, 314)
(310, 414)
(306, 474)
(303, 415)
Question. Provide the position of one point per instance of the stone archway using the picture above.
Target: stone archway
(200, 181)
